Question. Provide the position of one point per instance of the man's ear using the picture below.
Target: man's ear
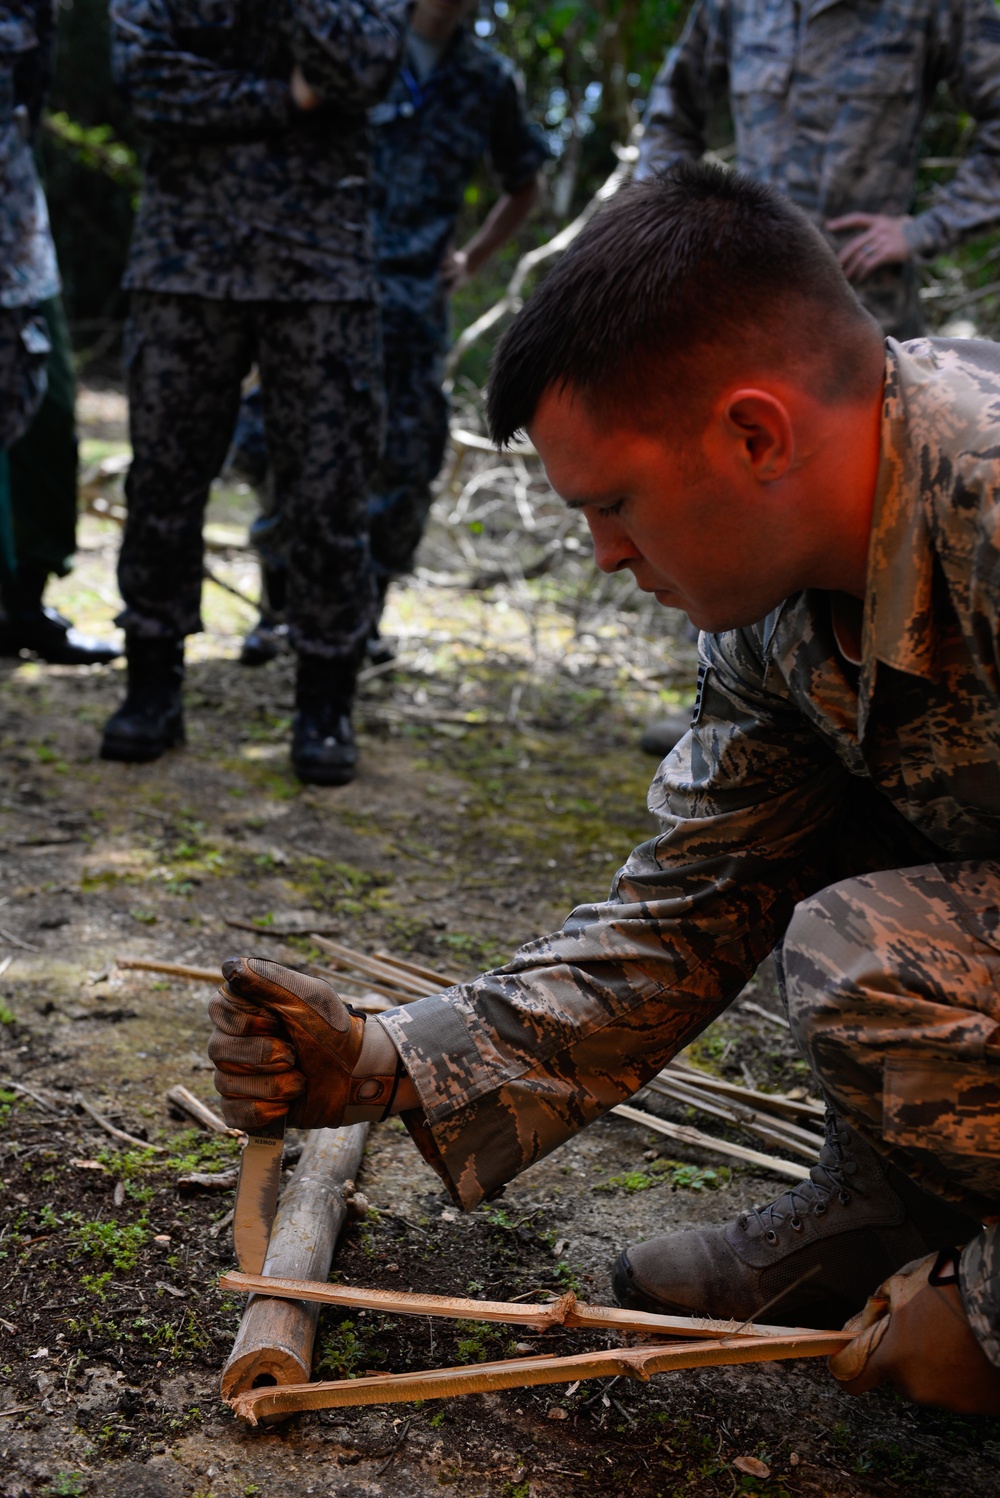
(760, 422)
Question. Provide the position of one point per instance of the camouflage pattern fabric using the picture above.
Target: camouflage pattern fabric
(24, 352)
(28, 271)
(319, 365)
(244, 196)
(828, 102)
(429, 138)
(979, 1284)
(415, 339)
(799, 771)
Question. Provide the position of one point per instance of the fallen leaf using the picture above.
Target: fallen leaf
(558, 1413)
(752, 1466)
(90, 1165)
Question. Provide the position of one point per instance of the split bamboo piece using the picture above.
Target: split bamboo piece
(521, 1373)
(686, 1135)
(441, 979)
(565, 1311)
(193, 1106)
(777, 1102)
(275, 1340)
(384, 972)
(176, 969)
(768, 1127)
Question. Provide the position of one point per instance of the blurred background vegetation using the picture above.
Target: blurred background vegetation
(587, 64)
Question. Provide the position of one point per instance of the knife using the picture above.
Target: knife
(257, 1195)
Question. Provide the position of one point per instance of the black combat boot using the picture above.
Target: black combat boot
(269, 637)
(813, 1256)
(323, 748)
(151, 719)
(27, 625)
(379, 651)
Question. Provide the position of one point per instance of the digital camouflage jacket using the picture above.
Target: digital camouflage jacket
(244, 196)
(28, 272)
(828, 101)
(429, 138)
(799, 770)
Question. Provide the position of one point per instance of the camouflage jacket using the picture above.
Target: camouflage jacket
(829, 108)
(799, 770)
(244, 196)
(429, 139)
(28, 272)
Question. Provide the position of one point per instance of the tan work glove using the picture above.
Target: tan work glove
(914, 1335)
(283, 1042)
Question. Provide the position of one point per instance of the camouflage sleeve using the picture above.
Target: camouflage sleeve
(695, 72)
(173, 92)
(17, 30)
(979, 1282)
(518, 148)
(350, 50)
(965, 51)
(510, 1065)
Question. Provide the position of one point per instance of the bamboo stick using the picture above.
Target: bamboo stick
(397, 995)
(193, 1106)
(275, 1341)
(441, 979)
(175, 969)
(347, 957)
(777, 1101)
(565, 1311)
(695, 1137)
(520, 1373)
(772, 1130)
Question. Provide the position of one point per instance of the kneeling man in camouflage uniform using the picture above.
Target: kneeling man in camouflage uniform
(702, 383)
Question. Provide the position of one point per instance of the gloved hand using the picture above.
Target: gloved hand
(283, 1042)
(914, 1335)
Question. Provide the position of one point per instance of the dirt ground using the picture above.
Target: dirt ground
(501, 783)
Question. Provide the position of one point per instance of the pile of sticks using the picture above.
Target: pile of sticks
(378, 981)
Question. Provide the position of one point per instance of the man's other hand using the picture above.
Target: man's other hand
(914, 1336)
(456, 271)
(304, 96)
(880, 241)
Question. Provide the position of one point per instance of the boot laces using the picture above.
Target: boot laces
(828, 1178)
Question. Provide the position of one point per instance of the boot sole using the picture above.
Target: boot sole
(320, 775)
(126, 751)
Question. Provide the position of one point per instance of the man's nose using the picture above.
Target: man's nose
(612, 548)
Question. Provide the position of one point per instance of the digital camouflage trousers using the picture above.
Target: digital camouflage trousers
(892, 981)
(186, 357)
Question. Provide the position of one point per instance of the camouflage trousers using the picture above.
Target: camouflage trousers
(186, 357)
(415, 342)
(892, 982)
(24, 350)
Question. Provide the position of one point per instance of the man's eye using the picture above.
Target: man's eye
(605, 510)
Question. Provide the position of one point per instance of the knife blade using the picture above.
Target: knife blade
(257, 1195)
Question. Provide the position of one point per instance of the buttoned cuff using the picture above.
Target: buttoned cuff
(979, 1283)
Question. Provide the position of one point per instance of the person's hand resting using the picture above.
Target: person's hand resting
(304, 96)
(880, 241)
(456, 271)
(914, 1335)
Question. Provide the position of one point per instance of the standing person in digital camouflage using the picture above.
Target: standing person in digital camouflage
(252, 242)
(700, 381)
(454, 101)
(827, 103)
(29, 287)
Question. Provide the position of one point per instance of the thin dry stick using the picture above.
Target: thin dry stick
(776, 1101)
(175, 969)
(338, 979)
(346, 957)
(6, 964)
(109, 1127)
(566, 1311)
(767, 1127)
(280, 931)
(36, 1097)
(441, 979)
(206, 1116)
(695, 1137)
(520, 1373)
(17, 941)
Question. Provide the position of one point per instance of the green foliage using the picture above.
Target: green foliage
(7, 1099)
(97, 148)
(119, 1243)
(670, 1173)
(6, 1015)
(481, 1342)
(65, 1485)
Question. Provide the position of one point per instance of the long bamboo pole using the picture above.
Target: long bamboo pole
(565, 1311)
(520, 1373)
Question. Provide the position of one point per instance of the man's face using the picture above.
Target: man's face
(450, 13)
(688, 520)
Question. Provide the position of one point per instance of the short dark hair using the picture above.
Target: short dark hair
(673, 285)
